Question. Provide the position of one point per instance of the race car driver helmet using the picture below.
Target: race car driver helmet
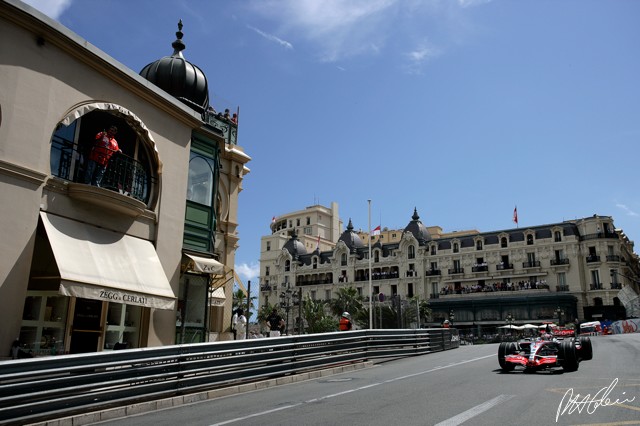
(346, 314)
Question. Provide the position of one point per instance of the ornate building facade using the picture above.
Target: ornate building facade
(143, 257)
(566, 271)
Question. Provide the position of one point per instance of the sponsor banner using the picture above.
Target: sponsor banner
(625, 326)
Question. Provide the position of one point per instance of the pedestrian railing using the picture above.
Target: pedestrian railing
(45, 388)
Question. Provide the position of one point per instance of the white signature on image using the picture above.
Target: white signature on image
(579, 403)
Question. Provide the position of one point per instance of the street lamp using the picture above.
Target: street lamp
(288, 299)
(560, 313)
(509, 319)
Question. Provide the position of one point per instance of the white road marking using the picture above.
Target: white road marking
(286, 407)
(472, 412)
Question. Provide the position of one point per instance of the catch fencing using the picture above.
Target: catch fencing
(39, 389)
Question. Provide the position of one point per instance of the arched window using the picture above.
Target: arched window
(200, 183)
(411, 252)
(343, 259)
(456, 248)
(529, 239)
(479, 245)
(315, 263)
(287, 265)
(503, 241)
(376, 256)
(132, 172)
(557, 236)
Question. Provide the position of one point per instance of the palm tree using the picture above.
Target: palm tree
(239, 297)
(313, 312)
(347, 299)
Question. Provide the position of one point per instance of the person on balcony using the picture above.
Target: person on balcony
(104, 147)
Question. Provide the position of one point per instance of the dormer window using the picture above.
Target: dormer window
(529, 239)
(456, 247)
(503, 242)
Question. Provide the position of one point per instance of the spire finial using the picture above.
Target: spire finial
(178, 45)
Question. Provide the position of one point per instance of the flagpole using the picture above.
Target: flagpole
(370, 294)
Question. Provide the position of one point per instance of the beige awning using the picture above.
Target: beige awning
(217, 297)
(96, 263)
(204, 264)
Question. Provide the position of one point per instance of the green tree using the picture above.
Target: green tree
(347, 300)
(239, 301)
(313, 312)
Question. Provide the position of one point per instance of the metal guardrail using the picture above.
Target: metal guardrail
(53, 387)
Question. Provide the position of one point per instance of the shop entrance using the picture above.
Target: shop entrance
(86, 328)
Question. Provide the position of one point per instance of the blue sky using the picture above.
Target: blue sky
(462, 109)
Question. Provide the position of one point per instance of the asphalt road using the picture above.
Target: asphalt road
(461, 386)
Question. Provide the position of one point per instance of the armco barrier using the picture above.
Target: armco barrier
(53, 387)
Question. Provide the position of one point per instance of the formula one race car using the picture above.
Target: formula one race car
(545, 352)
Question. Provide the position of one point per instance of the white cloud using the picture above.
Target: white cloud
(626, 209)
(51, 8)
(335, 30)
(271, 37)
(418, 56)
(338, 28)
(248, 272)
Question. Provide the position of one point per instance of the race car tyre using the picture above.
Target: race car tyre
(586, 350)
(569, 358)
(506, 348)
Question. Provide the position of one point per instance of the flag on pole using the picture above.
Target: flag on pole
(515, 215)
(273, 219)
(376, 230)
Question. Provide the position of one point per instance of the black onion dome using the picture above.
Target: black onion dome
(179, 77)
(351, 239)
(295, 246)
(418, 230)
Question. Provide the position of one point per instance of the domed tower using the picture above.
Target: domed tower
(294, 246)
(418, 230)
(350, 238)
(179, 77)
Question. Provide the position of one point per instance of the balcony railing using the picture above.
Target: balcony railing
(265, 288)
(480, 268)
(503, 266)
(431, 272)
(596, 286)
(593, 258)
(562, 288)
(556, 262)
(456, 271)
(124, 174)
(532, 264)
(616, 286)
(613, 258)
(599, 235)
(229, 129)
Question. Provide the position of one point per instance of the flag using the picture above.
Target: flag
(273, 219)
(376, 230)
(318, 244)
(515, 215)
